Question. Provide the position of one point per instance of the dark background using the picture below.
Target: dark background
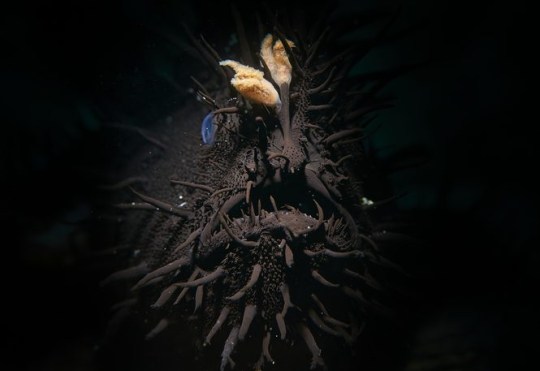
(68, 68)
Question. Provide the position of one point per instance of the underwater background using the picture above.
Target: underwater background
(460, 143)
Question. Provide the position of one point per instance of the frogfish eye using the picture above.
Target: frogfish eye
(208, 129)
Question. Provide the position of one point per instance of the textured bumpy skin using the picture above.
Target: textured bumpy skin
(265, 232)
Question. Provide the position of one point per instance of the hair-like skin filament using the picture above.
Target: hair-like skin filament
(250, 311)
(127, 273)
(217, 325)
(255, 273)
(162, 325)
(174, 265)
(205, 279)
(306, 334)
(319, 278)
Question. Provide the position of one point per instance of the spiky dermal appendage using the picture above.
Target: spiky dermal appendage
(277, 231)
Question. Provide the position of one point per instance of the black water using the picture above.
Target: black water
(70, 67)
